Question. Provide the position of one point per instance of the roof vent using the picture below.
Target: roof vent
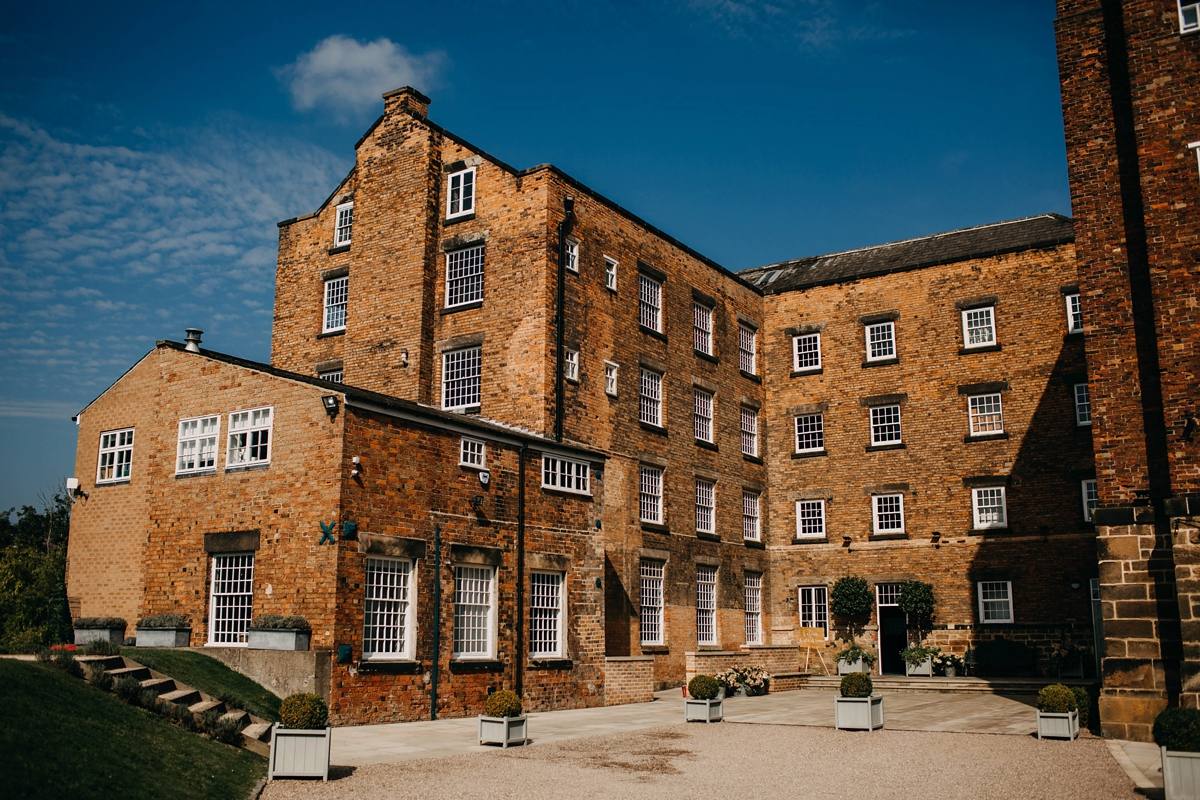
(193, 340)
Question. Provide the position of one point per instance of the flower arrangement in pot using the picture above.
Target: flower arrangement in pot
(756, 681)
(850, 599)
(502, 722)
(705, 700)
(304, 722)
(277, 632)
(730, 680)
(857, 707)
(917, 602)
(918, 660)
(1068, 659)
(1057, 714)
(947, 664)
(1177, 734)
(855, 659)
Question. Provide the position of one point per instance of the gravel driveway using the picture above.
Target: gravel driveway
(731, 760)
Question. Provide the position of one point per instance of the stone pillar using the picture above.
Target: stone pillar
(1183, 514)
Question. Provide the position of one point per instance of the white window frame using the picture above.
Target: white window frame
(650, 398)
(749, 424)
(650, 494)
(571, 365)
(807, 351)
(808, 512)
(571, 248)
(990, 327)
(752, 607)
(702, 328)
(890, 339)
(1008, 599)
(1081, 399)
(1090, 491)
(747, 349)
(243, 453)
(812, 606)
(651, 608)
(333, 376)
(206, 429)
(706, 604)
(1195, 146)
(343, 224)
(547, 613)
(610, 378)
(751, 516)
(337, 304)
(814, 425)
(398, 610)
(881, 426)
(649, 303)
(472, 453)
(1074, 305)
(466, 197)
(474, 572)
(706, 506)
(220, 633)
(877, 500)
(703, 411)
(465, 271)
(117, 445)
(982, 419)
(466, 387)
(566, 474)
(978, 495)
(1186, 25)
(610, 274)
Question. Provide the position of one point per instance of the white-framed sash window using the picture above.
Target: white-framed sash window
(462, 371)
(464, 276)
(702, 325)
(650, 399)
(649, 303)
(751, 527)
(706, 506)
(650, 494)
(979, 327)
(250, 437)
(566, 474)
(888, 513)
(988, 507)
(388, 619)
(231, 598)
(885, 425)
(651, 612)
(197, 448)
(985, 413)
(546, 615)
(881, 341)
(995, 602)
(706, 604)
(810, 519)
(343, 224)
(753, 607)
(337, 294)
(474, 611)
(813, 606)
(460, 193)
(115, 457)
(806, 352)
(1074, 313)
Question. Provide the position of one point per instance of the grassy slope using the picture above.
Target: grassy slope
(209, 676)
(60, 737)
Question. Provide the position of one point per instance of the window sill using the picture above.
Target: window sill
(710, 648)
(247, 467)
(342, 248)
(574, 381)
(986, 437)
(811, 454)
(881, 362)
(398, 667)
(750, 376)
(886, 537)
(706, 445)
(200, 473)
(797, 373)
(331, 334)
(752, 459)
(611, 290)
(990, 348)
(549, 662)
(476, 665)
(460, 218)
(463, 307)
(463, 410)
(569, 492)
(646, 426)
(122, 482)
(655, 527)
(879, 448)
(811, 540)
(652, 332)
(754, 544)
(1073, 336)
(709, 358)
(708, 537)
(988, 531)
(655, 649)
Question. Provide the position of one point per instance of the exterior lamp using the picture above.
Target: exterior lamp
(330, 401)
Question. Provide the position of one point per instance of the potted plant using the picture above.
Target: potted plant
(947, 664)
(916, 600)
(1177, 734)
(918, 660)
(300, 742)
(89, 629)
(856, 708)
(277, 632)
(705, 700)
(1057, 714)
(850, 599)
(1068, 659)
(730, 680)
(164, 630)
(855, 659)
(502, 722)
(756, 681)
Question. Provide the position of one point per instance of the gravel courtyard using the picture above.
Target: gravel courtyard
(731, 760)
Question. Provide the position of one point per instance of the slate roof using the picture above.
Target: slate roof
(982, 241)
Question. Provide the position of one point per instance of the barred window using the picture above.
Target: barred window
(705, 506)
(571, 364)
(1074, 314)
(472, 453)
(749, 432)
(753, 607)
(704, 415)
(650, 402)
(460, 193)
(649, 303)
(546, 614)
(986, 414)
(650, 501)
(610, 378)
(343, 225)
(810, 433)
(988, 506)
(333, 376)
(232, 597)
(1091, 498)
(464, 276)
(814, 608)
(197, 450)
(652, 602)
(566, 474)
(995, 601)
(979, 327)
(610, 273)
(387, 617)
(750, 527)
(702, 317)
(473, 611)
(1083, 405)
(706, 604)
(461, 373)
(810, 518)
(116, 456)
(885, 424)
(747, 349)
(336, 294)
(881, 341)
(888, 513)
(249, 437)
(806, 352)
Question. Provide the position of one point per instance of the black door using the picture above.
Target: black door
(893, 638)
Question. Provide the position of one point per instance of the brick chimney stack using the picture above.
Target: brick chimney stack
(407, 99)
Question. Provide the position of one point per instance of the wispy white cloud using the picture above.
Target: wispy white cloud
(40, 410)
(810, 24)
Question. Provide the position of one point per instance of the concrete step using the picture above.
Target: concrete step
(185, 696)
(967, 685)
(241, 717)
(207, 705)
(160, 685)
(107, 662)
(259, 731)
(139, 672)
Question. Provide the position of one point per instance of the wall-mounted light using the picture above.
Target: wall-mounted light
(1075, 583)
(485, 478)
(357, 469)
(73, 489)
(404, 357)
(330, 401)
(477, 502)
(845, 541)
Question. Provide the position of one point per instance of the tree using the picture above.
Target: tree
(917, 602)
(33, 566)
(850, 598)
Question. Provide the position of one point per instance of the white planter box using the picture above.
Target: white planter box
(299, 753)
(1058, 726)
(846, 667)
(703, 710)
(277, 639)
(924, 668)
(1181, 774)
(503, 730)
(85, 635)
(858, 713)
(164, 637)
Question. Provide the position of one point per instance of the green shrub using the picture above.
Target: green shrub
(856, 684)
(1178, 729)
(1083, 702)
(228, 731)
(99, 622)
(280, 622)
(850, 598)
(854, 653)
(43, 655)
(915, 656)
(504, 703)
(99, 677)
(148, 699)
(128, 689)
(304, 711)
(100, 647)
(164, 621)
(65, 660)
(703, 687)
(232, 701)
(1056, 699)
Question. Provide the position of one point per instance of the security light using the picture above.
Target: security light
(331, 404)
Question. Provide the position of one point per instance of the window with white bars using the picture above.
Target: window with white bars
(753, 607)
(702, 319)
(566, 474)
(810, 433)
(888, 513)
(473, 611)
(387, 611)
(881, 341)
(472, 453)
(885, 424)
(650, 398)
(887, 594)
(333, 376)
(813, 605)
(806, 352)
(747, 349)
(460, 193)
(703, 414)
(116, 456)
(610, 378)
(987, 504)
(197, 450)
(749, 432)
(751, 531)
(649, 303)
(610, 273)
(461, 374)
(652, 622)
(995, 601)
(706, 604)
(343, 225)
(337, 292)
(810, 519)
(979, 327)
(571, 365)
(1074, 314)
(546, 614)
(231, 598)
(650, 499)
(1083, 405)
(464, 276)
(572, 253)
(986, 414)
(1189, 16)
(706, 506)
(1091, 498)
(249, 437)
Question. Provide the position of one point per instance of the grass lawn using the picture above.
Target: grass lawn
(60, 737)
(209, 676)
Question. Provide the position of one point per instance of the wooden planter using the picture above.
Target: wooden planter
(704, 710)
(925, 668)
(299, 753)
(164, 637)
(847, 667)
(277, 639)
(503, 730)
(858, 713)
(85, 635)
(1058, 726)
(1181, 774)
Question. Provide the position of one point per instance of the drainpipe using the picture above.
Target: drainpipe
(437, 618)
(520, 677)
(564, 228)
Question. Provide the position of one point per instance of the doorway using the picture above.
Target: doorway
(893, 629)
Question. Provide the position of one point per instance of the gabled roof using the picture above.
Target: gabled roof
(983, 241)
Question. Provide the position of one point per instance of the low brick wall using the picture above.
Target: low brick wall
(782, 661)
(628, 679)
(281, 671)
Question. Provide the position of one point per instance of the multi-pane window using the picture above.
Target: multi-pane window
(650, 494)
(571, 364)
(885, 424)
(464, 276)
(572, 253)
(702, 325)
(461, 373)
(806, 351)
(337, 292)
(987, 504)
(881, 341)
(979, 327)
(566, 474)
(472, 453)
(649, 303)
(249, 437)
(546, 614)
(610, 378)
(749, 432)
(333, 376)
(116, 455)
(197, 450)
(232, 598)
(706, 492)
(1083, 404)
(610, 273)
(810, 433)
(343, 225)
(814, 608)
(747, 349)
(460, 193)
(995, 601)
(753, 607)
(751, 529)
(652, 602)
(703, 414)
(706, 604)
(387, 609)
(1189, 16)
(810, 518)
(1091, 498)
(473, 611)
(650, 400)
(1074, 314)
(986, 414)
(888, 513)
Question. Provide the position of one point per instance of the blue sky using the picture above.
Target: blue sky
(147, 150)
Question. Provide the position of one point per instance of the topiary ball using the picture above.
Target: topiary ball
(857, 684)
(303, 711)
(504, 703)
(703, 687)
(1056, 699)
(1083, 702)
(1178, 729)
